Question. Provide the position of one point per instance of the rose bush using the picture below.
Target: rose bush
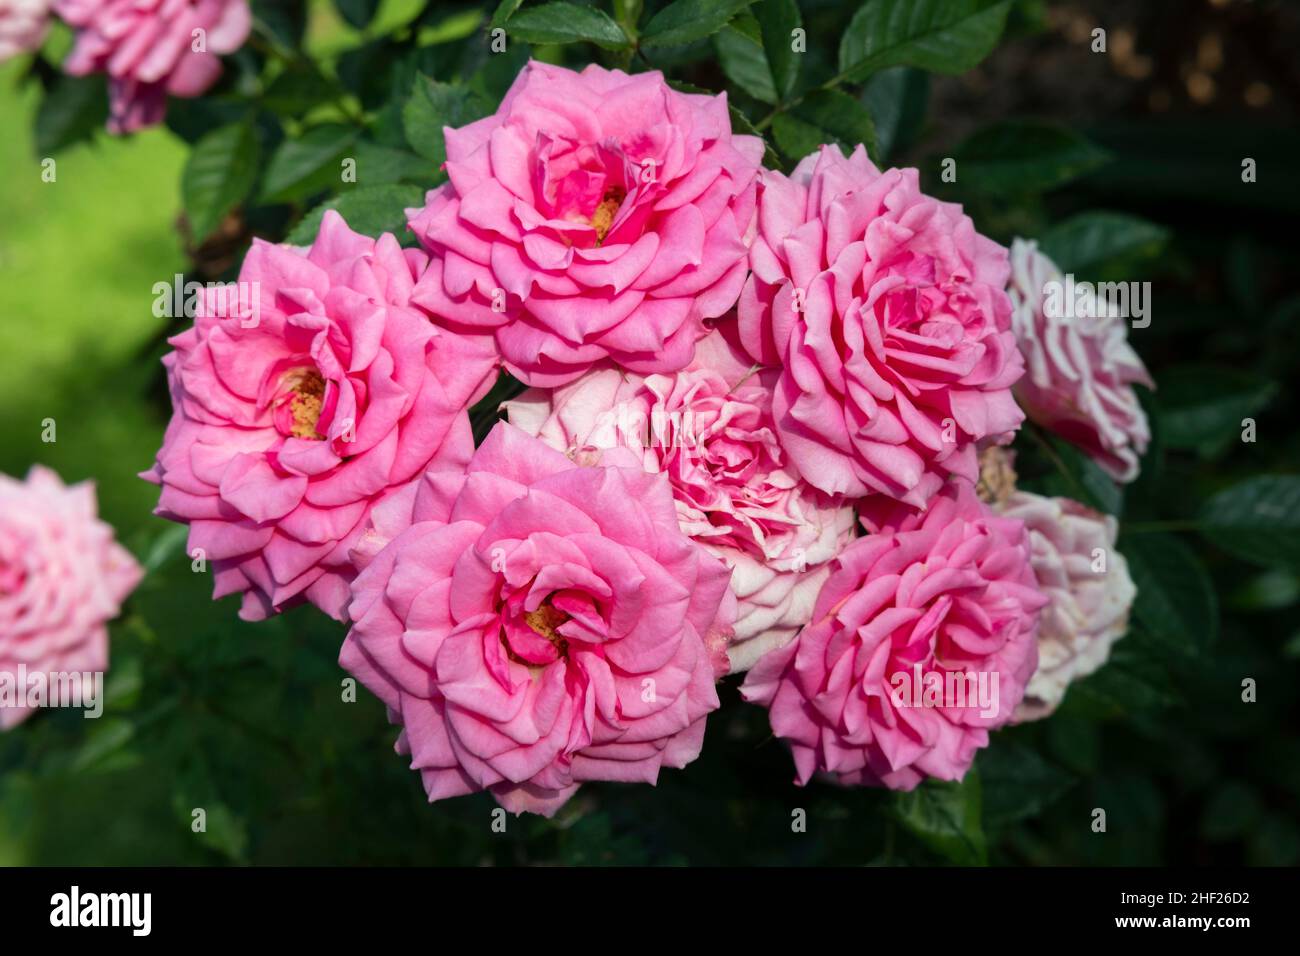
(728, 296)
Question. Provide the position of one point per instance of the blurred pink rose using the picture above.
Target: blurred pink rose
(535, 624)
(1088, 589)
(595, 215)
(922, 640)
(1080, 369)
(301, 399)
(62, 578)
(710, 429)
(23, 25)
(885, 310)
(149, 49)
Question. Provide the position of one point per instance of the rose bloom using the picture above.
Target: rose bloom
(1080, 369)
(302, 399)
(885, 310)
(944, 598)
(148, 49)
(709, 428)
(1088, 589)
(62, 578)
(595, 215)
(534, 624)
(23, 25)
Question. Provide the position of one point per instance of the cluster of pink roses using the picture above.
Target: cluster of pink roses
(148, 49)
(756, 436)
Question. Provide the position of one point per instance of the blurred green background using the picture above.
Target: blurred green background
(248, 722)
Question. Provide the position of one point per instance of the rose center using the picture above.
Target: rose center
(306, 399)
(546, 621)
(602, 218)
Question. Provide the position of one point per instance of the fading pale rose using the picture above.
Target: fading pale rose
(943, 598)
(152, 49)
(1088, 589)
(63, 577)
(534, 624)
(1080, 369)
(299, 404)
(709, 428)
(595, 215)
(23, 25)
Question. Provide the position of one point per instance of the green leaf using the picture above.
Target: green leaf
(430, 107)
(367, 209)
(70, 111)
(685, 21)
(1202, 407)
(777, 21)
(220, 172)
(794, 137)
(297, 90)
(840, 118)
(1077, 476)
(1085, 243)
(357, 12)
(743, 61)
(284, 22)
(567, 23)
(1267, 591)
(1232, 810)
(946, 818)
(1257, 519)
(378, 164)
(309, 164)
(1017, 782)
(105, 745)
(505, 9)
(169, 544)
(1024, 156)
(943, 36)
(896, 98)
(1176, 601)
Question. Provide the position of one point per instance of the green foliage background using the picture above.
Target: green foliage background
(1119, 173)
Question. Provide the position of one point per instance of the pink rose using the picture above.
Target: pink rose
(1080, 368)
(535, 624)
(596, 215)
(62, 578)
(149, 49)
(922, 640)
(1088, 589)
(302, 398)
(885, 310)
(710, 430)
(23, 25)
